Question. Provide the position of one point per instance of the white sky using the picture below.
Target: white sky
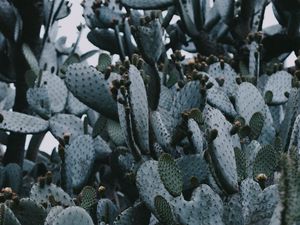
(68, 28)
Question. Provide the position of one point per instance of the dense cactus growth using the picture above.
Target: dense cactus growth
(194, 122)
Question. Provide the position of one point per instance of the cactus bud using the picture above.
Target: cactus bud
(212, 135)
(48, 178)
(101, 191)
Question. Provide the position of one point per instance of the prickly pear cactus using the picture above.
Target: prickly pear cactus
(73, 215)
(91, 87)
(21, 123)
(139, 107)
(221, 147)
(48, 194)
(62, 124)
(280, 85)
(224, 71)
(52, 95)
(28, 212)
(7, 216)
(106, 211)
(80, 157)
(150, 134)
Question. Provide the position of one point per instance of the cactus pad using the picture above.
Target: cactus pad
(170, 174)
(221, 149)
(90, 87)
(73, 215)
(21, 123)
(79, 158)
(280, 84)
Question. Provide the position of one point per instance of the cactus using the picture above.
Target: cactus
(13, 176)
(265, 161)
(74, 76)
(7, 216)
(62, 124)
(21, 123)
(73, 215)
(170, 175)
(28, 212)
(52, 95)
(280, 84)
(138, 4)
(106, 211)
(48, 194)
(150, 134)
(53, 214)
(194, 170)
(79, 157)
(218, 70)
(221, 147)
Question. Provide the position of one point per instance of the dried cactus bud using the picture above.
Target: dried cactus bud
(297, 74)
(2, 197)
(203, 90)
(195, 75)
(135, 59)
(16, 199)
(66, 138)
(107, 72)
(220, 81)
(206, 78)
(123, 69)
(297, 63)
(212, 59)
(287, 94)
(127, 84)
(48, 177)
(268, 97)
(234, 129)
(126, 64)
(7, 190)
(61, 152)
(194, 182)
(212, 135)
(258, 36)
(101, 191)
(222, 64)
(114, 92)
(244, 131)
(123, 90)
(185, 116)
(180, 83)
(237, 123)
(147, 19)
(116, 83)
(42, 182)
(209, 85)
(261, 177)
(238, 80)
(121, 101)
(250, 37)
(140, 64)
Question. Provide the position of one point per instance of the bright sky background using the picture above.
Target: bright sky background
(68, 28)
